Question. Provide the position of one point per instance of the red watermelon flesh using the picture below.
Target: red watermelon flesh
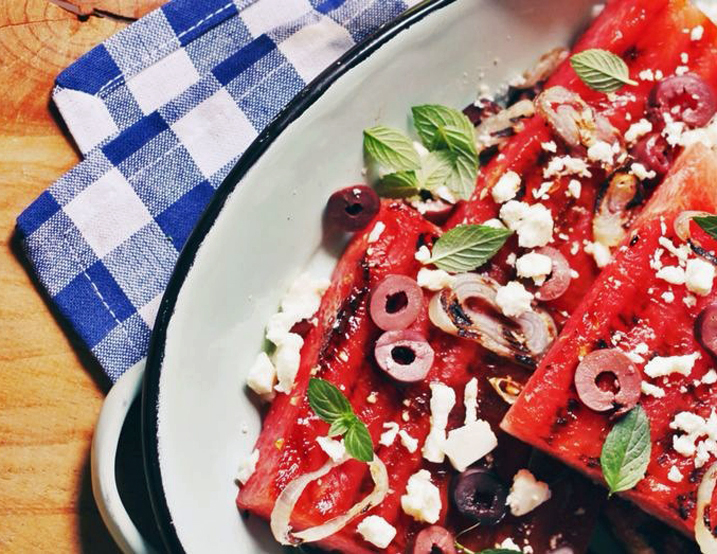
(626, 308)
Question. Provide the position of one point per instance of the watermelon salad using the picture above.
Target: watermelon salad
(524, 314)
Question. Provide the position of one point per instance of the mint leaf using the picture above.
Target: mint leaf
(428, 118)
(390, 148)
(402, 184)
(626, 451)
(601, 70)
(467, 247)
(462, 179)
(457, 141)
(358, 442)
(341, 425)
(328, 402)
(436, 170)
(465, 550)
(708, 223)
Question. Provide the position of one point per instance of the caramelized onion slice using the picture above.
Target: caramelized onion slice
(703, 534)
(682, 223)
(285, 503)
(469, 310)
(613, 211)
(507, 388)
(497, 128)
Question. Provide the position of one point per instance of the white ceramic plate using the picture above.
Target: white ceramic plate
(264, 226)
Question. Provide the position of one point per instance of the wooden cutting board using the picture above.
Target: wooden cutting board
(50, 392)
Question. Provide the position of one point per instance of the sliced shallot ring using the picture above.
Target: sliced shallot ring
(387, 290)
(682, 223)
(408, 343)
(507, 388)
(285, 503)
(493, 129)
(434, 539)
(610, 361)
(706, 329)
(703, 533)
(560, 277)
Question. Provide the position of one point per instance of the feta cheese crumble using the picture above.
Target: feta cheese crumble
(560, 166)
(513, 299)
(422, 500)
(507, 187)
(390, 434)
(663, 366)
(699, 438)
(697, 33)
(335, 449)
(262, 375)
(638, 130)
(699, 275)
(478, 435)
(533, 223)
(247, 467)
(652, 390)
(574, 188)
(675, 475)
(443, 398)
(409, 443)
(434, 279)
(601, 152)
(470, 401)
(534, 266)
(423, 254)
(376, 232)
(672, 274)
(377, 531)
(527, 493)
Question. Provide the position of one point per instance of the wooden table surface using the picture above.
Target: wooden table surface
(50, 391)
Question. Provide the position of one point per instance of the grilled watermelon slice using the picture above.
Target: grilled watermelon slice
(626, 308)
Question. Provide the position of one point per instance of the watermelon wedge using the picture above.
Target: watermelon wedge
(633, 309)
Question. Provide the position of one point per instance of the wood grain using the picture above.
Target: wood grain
(49, 394)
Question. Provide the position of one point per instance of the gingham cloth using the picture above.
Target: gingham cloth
(161, 112)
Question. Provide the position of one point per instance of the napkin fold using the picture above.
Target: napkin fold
(161, 112)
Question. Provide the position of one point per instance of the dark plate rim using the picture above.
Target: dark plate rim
(306, 98)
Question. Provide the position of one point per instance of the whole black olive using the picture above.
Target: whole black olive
(479, 495)
(353, 208)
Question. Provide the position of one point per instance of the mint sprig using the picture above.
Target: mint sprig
(601, 70)
(452, 160)
(626, 451)
(708, 223)
(331, 406)
(390, 148)
(467, 247)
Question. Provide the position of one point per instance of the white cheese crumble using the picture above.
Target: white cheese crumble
(652, 390)
(262, 375)
(507, 187)
(434, 279)
(600, 253)
(574, 188)
(699, 275)
(662, 366)
(560, 166)
(300, 302)
(533, 223)
(247, 467)
(470, 401)
(423, 254)
(376, 232)
(709, 378)
(335, 449)
(641, 172)
(690, 301)
(377, 531)
(443, 398)
(601, 152)
(495, 223)
(513, 299)
(509, 544)
(422, 500)
(549, 146)
(389, 435)
(409, 443)
(527, 493)
(672, 274)
(638, 130)
(697, 33)
(534, 266)
(668, 296)
(695, 428)
(478, 435)
(675, 475)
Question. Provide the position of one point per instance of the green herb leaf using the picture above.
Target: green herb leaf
(358, 442)
(390, 148)
(466, 247)
(626, 451)
(328, 402)
(462, 179)
(465, 550)
(402, 184)
(601, 70)
(428, 118)
(341, 425)
(457, 141)
(436, 169)
(708, 223)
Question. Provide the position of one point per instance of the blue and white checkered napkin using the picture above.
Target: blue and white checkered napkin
(161, 112)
